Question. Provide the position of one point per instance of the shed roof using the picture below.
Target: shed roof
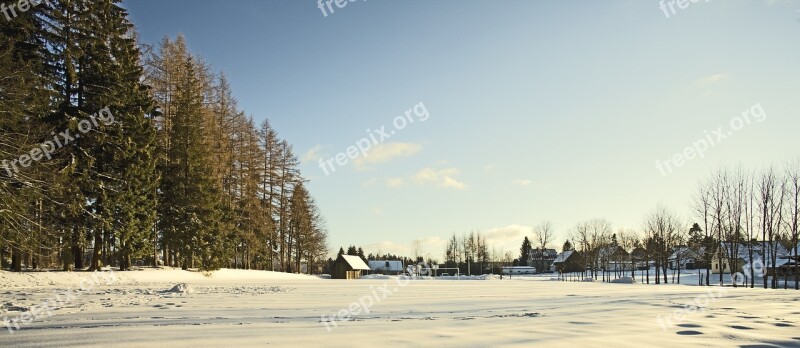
(355, 262)
(563, 256)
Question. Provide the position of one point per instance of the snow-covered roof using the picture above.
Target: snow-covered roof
(385, 265)
(768, 263)
(563, 256)
(686, 253)
(743, 253)
(355, 262)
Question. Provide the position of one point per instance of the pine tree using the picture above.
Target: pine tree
(192, 222)
(24, 100)
(525, 251)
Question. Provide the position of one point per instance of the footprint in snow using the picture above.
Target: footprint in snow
(690, 326)
(739, 327)
(689, 333)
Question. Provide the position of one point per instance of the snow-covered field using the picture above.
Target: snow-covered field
(251, 308)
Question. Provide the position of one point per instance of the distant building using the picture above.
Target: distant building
(613, 258)
(740, 257)
(542, 259)
(569, 261)
(348, 267)
(688, 258)
(519, 270)
(388, 267)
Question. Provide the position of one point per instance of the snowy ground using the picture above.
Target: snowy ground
(248, 308)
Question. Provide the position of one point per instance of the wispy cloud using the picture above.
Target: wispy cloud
(444, 178)
(395, 182)
(312, 154)
(521, 182)
(453, 183)
(508, 238)
(709, 84)
(386, 152)
(713, 79)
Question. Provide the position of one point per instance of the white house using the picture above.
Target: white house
(687, 257)
(742, 256)
(386, 266)
(519, 270)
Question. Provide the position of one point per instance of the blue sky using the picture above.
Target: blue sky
(538, 110)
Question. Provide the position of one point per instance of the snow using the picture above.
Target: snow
(254, 308)
(181, 288)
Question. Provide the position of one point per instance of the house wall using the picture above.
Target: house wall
(541, 265)
(726, 266)
(339, 271)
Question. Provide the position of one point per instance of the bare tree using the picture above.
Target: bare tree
(544, 234)
(592, 236)
(793, 218)
(771, 197)
(702, 209)
(629, 241)
(662, 225)
(735, 201)
(750, 211)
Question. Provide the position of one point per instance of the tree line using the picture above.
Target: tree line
(744, 215)
(182, 177)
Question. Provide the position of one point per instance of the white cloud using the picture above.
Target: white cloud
(377, 211)
(312, 154)
(508, 238)
(453, 183)
(383, 153)
(395, 182)
(521, 182)
(440, 177)
(713, 79)
(710, 83)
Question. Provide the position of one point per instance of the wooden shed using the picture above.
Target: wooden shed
(348, 267)
(568, 262)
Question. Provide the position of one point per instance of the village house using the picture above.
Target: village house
(348, 267)
(686, 257)
(739, 257)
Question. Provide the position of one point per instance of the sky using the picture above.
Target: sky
(492, 116)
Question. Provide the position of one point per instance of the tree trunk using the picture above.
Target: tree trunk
(796, 267)
(16, 259)
(98, 245)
